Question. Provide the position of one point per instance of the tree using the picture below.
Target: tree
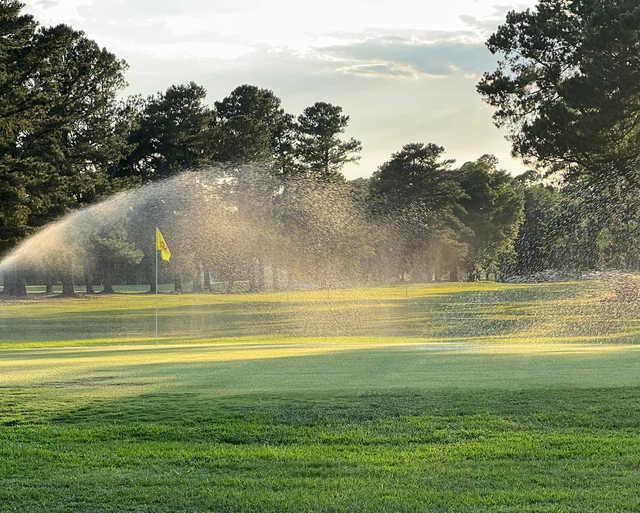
(111, 247)
(598, 225)
(284, 146)
(616, 245)
(360, 190)
(326, 236)
(537, 237)
(492, 210)
(321, 149)
(172, 132)
(255, 128)
(58, 96)
(567, 85)
(578, 226)
(76, 135)
(417, 173)
(417, 193)
(18, 58)
(175, 132)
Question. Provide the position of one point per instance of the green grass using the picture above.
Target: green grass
(448, 397)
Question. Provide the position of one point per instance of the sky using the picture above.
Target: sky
(403, 70)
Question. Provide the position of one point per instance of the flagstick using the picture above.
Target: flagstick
(156, 251)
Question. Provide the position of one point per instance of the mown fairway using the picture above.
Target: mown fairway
(456, 397)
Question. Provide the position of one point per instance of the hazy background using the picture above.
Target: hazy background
(416, 62)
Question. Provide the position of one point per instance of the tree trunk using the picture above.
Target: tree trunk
(453, 275)
(68, 288)
(197, 284)
(88, 281)
(257, 277)
(198, 279)
(280, 279)
(48, 284)
(21, 285)
(9, 283)
(229, 285)
(107, 280)
(206, 285)
(178, 283)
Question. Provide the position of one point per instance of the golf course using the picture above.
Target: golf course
(438, 397)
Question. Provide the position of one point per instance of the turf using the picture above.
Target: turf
(448, 397)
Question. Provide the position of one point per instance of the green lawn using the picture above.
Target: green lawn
(448, 397)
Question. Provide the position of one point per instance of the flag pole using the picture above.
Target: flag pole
(156, 273)
(162, 249)
(156, 252)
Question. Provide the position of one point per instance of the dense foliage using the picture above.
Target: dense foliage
(567, 89)
(568, 83)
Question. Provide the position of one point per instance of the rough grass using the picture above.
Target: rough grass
(463, 397)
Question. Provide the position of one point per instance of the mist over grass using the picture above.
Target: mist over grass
(238, 224)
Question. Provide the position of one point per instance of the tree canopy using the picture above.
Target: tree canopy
(567, 84)
(58, 134)
(172, 131)
(253, 126)
(321, 150)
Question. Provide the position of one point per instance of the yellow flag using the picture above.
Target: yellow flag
(161, 245)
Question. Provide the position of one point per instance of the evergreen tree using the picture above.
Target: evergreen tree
(418, 195)
(175, 132)
(321, 149)
(57, 132)
(492, 206)
(567, 85)
(255, 128)
(536, 241)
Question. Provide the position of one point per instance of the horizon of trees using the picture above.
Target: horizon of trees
(68, 140)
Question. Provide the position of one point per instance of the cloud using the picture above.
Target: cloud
(401, 56)
(483, 26)
(480, 25)
(380, 70)
(46, 4)
(418, 36)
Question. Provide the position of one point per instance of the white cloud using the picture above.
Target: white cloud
(56, 11)
(281, 23)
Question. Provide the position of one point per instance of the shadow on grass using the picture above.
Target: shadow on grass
(419, 410)
(245, 437)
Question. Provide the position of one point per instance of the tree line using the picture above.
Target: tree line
(68, 140)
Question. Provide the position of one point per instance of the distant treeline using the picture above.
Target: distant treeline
(68, 140)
